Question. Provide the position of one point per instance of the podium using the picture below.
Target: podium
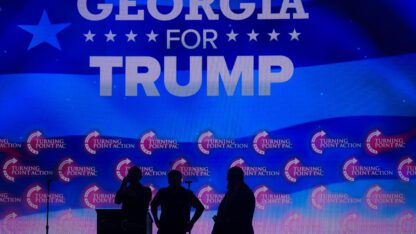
(110, 221)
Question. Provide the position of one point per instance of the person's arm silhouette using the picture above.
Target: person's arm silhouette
(154, 205)
(120, 193)
(248, 208)
(147, 196)
(199, 208)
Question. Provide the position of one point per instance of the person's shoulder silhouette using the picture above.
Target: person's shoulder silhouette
(134, 197)
(236, 210)
(175, 202)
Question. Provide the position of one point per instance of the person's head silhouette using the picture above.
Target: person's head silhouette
(235, 177)
(134, 174)
(175, 178)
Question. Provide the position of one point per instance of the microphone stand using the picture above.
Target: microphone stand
(49, 181)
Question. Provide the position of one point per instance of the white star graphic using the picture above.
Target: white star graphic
(89, 36)
(253, 35)
(110, 36)
(232, 36)
(273, 35)
(294, 35)
(131, 36)
(152, 36)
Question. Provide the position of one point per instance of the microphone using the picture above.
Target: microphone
(49, 180)
(188, 182)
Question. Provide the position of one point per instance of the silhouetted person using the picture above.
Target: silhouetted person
(235, 213)
(135, 199)
(176, 203)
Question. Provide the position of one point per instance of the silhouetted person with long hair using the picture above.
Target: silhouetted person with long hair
(235, 213)
(135, 199)
(176, 203)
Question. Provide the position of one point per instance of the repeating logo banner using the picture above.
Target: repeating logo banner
(36, 196)
(263, 142)
(123, 166)
(352, 170)
(406, 169)
(294, 170)
(322, 197)
(68, 169)
(376, 198)
(95, 142)
(209, 197)
(208, 142)
(187, 170)
(376, 142)
(266, 197)
(13, 168)
(94, 197)
(149, 143)
(321, 141)
(36, 142)
(253, 170)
